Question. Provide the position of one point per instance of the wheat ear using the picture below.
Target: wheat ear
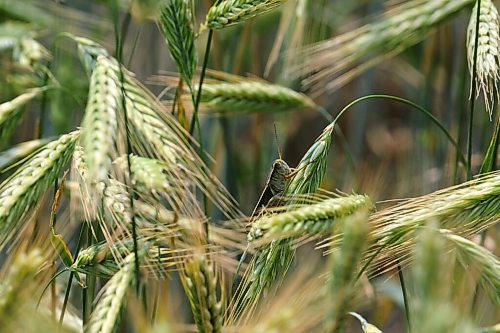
(100, 124)
(318, 218)
(200, 284)
(176, 21)
(465, 210)
(11, 113)
(252, 96)
(106, 315)
(312, 166)
(21, 191)
(229, 12)
(488, 58)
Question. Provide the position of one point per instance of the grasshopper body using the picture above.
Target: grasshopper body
(276, 184)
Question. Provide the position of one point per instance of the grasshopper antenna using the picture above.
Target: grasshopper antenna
(277, 143)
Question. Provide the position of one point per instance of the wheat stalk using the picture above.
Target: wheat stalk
(21, 191)
(100, 124)
(11, 113)
(200, 284)
(252, 96)
(488, 265)
(487, 69)
(105, 317)
(177, 26)
(331, 64)
(319, 218)
(343, 273)
(229, 12)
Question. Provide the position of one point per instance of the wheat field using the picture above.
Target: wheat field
(249, 166)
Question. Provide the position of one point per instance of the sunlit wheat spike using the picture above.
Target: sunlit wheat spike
(11, 113)
(201, 287)
(312, 166)
(16, 283)
(252, 96)
(21, 191)
(176, 21)
(465, 210)
(318, 218)
(486, 263)
(345, 261)
(106, 315)
(230, 12)
(487, 68)
(432, 271)
(100, 124)
(331, 64)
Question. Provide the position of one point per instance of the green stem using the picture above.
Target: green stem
(473, 96)
(405, 296)
(71, 275)
(119, 53)
(414, 105)
(195, 119)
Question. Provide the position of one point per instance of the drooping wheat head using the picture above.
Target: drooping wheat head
(487, 68)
